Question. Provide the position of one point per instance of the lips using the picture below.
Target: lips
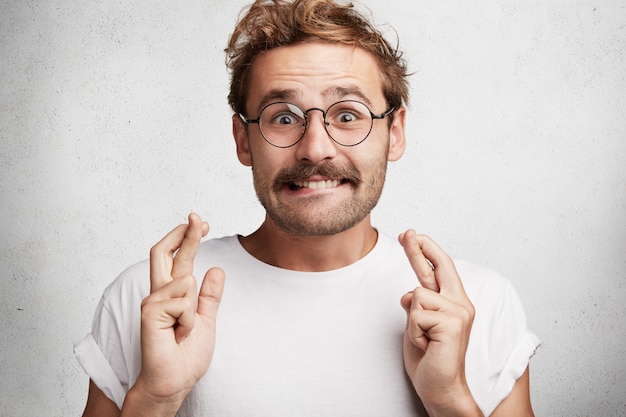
(317, 185)
(318, 177)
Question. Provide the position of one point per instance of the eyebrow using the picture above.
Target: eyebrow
(272, 96)
(334, 92)
(343, 92)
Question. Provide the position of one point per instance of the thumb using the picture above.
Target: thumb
(210, 294)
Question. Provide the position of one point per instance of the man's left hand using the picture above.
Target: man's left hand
(439, 320)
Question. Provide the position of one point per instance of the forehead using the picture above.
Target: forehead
(315, 74)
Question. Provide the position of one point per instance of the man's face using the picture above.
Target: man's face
(318, 187)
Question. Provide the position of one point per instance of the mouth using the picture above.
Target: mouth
(315, 185)
(325, 176)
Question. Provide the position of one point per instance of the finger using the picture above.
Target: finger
(421, 265)
(162, 256)
(210, 294)
(415, 334)
(406, 301)
(178, 288)
(174, 314)
(425, 299)
(445, 272)
(186, 319)
(184, 259)
(417, 339)
(446, 278)
(438, 317)
(422, 325)
(184, 289)
(172, 306)
(427, 311)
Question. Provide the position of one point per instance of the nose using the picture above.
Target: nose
(315, 145)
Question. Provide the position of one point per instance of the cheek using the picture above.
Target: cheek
(370, 157)
(265, 162)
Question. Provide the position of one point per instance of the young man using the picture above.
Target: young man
(309, 316)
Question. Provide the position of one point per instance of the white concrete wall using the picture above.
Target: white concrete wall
(114, 125)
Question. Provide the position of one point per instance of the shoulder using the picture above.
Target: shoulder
(477, 279)
(132, 285)
(486, 288)
(218, 248)
(224, 252)
(493, 295)
(480, 280)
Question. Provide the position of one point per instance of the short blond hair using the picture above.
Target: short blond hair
(268, 24)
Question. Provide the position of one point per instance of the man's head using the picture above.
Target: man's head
(269, 24)
(310, 91)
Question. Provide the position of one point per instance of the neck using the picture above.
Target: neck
(276, 247)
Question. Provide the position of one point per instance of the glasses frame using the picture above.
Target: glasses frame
(326, 124)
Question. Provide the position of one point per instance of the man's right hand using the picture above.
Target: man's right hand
(177, 324)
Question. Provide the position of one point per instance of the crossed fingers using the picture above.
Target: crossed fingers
(435, 270)
(442, 301)
(173, 297)
(173, 256)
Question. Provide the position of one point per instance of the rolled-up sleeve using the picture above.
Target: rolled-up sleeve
(111, 354)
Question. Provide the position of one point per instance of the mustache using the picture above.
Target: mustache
(302, 172)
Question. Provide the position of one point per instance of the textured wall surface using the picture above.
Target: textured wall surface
(114, 125)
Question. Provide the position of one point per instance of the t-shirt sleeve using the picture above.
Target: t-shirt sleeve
(111, 354)
(511, 348)
(501, 344)
(99, 370)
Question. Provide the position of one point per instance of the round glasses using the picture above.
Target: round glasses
(347, 122)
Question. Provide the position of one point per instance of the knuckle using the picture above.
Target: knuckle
(463, 318)
(420, 292)
(147, 308)
(147, 301)
(415, 337)
(471, 310)
(155, 250)
(188, 281)
(414, 316)
(186, 304)
(425, 239)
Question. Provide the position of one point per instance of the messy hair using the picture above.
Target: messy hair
(268, 24)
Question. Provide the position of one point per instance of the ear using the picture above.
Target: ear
(240, 134)
(397, 138)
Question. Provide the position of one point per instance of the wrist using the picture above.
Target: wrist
(454, 405)
(139, 402)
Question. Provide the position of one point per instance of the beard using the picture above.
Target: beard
(314, 216)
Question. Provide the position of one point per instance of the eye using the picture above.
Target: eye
(346, 117)
(285, 119)
(348, 112)
(282, 114)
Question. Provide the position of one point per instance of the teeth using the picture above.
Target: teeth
(318, 185)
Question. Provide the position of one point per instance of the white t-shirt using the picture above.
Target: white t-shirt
(292, 343)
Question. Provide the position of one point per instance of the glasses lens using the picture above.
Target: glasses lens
(349, 122)
(282, 124)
